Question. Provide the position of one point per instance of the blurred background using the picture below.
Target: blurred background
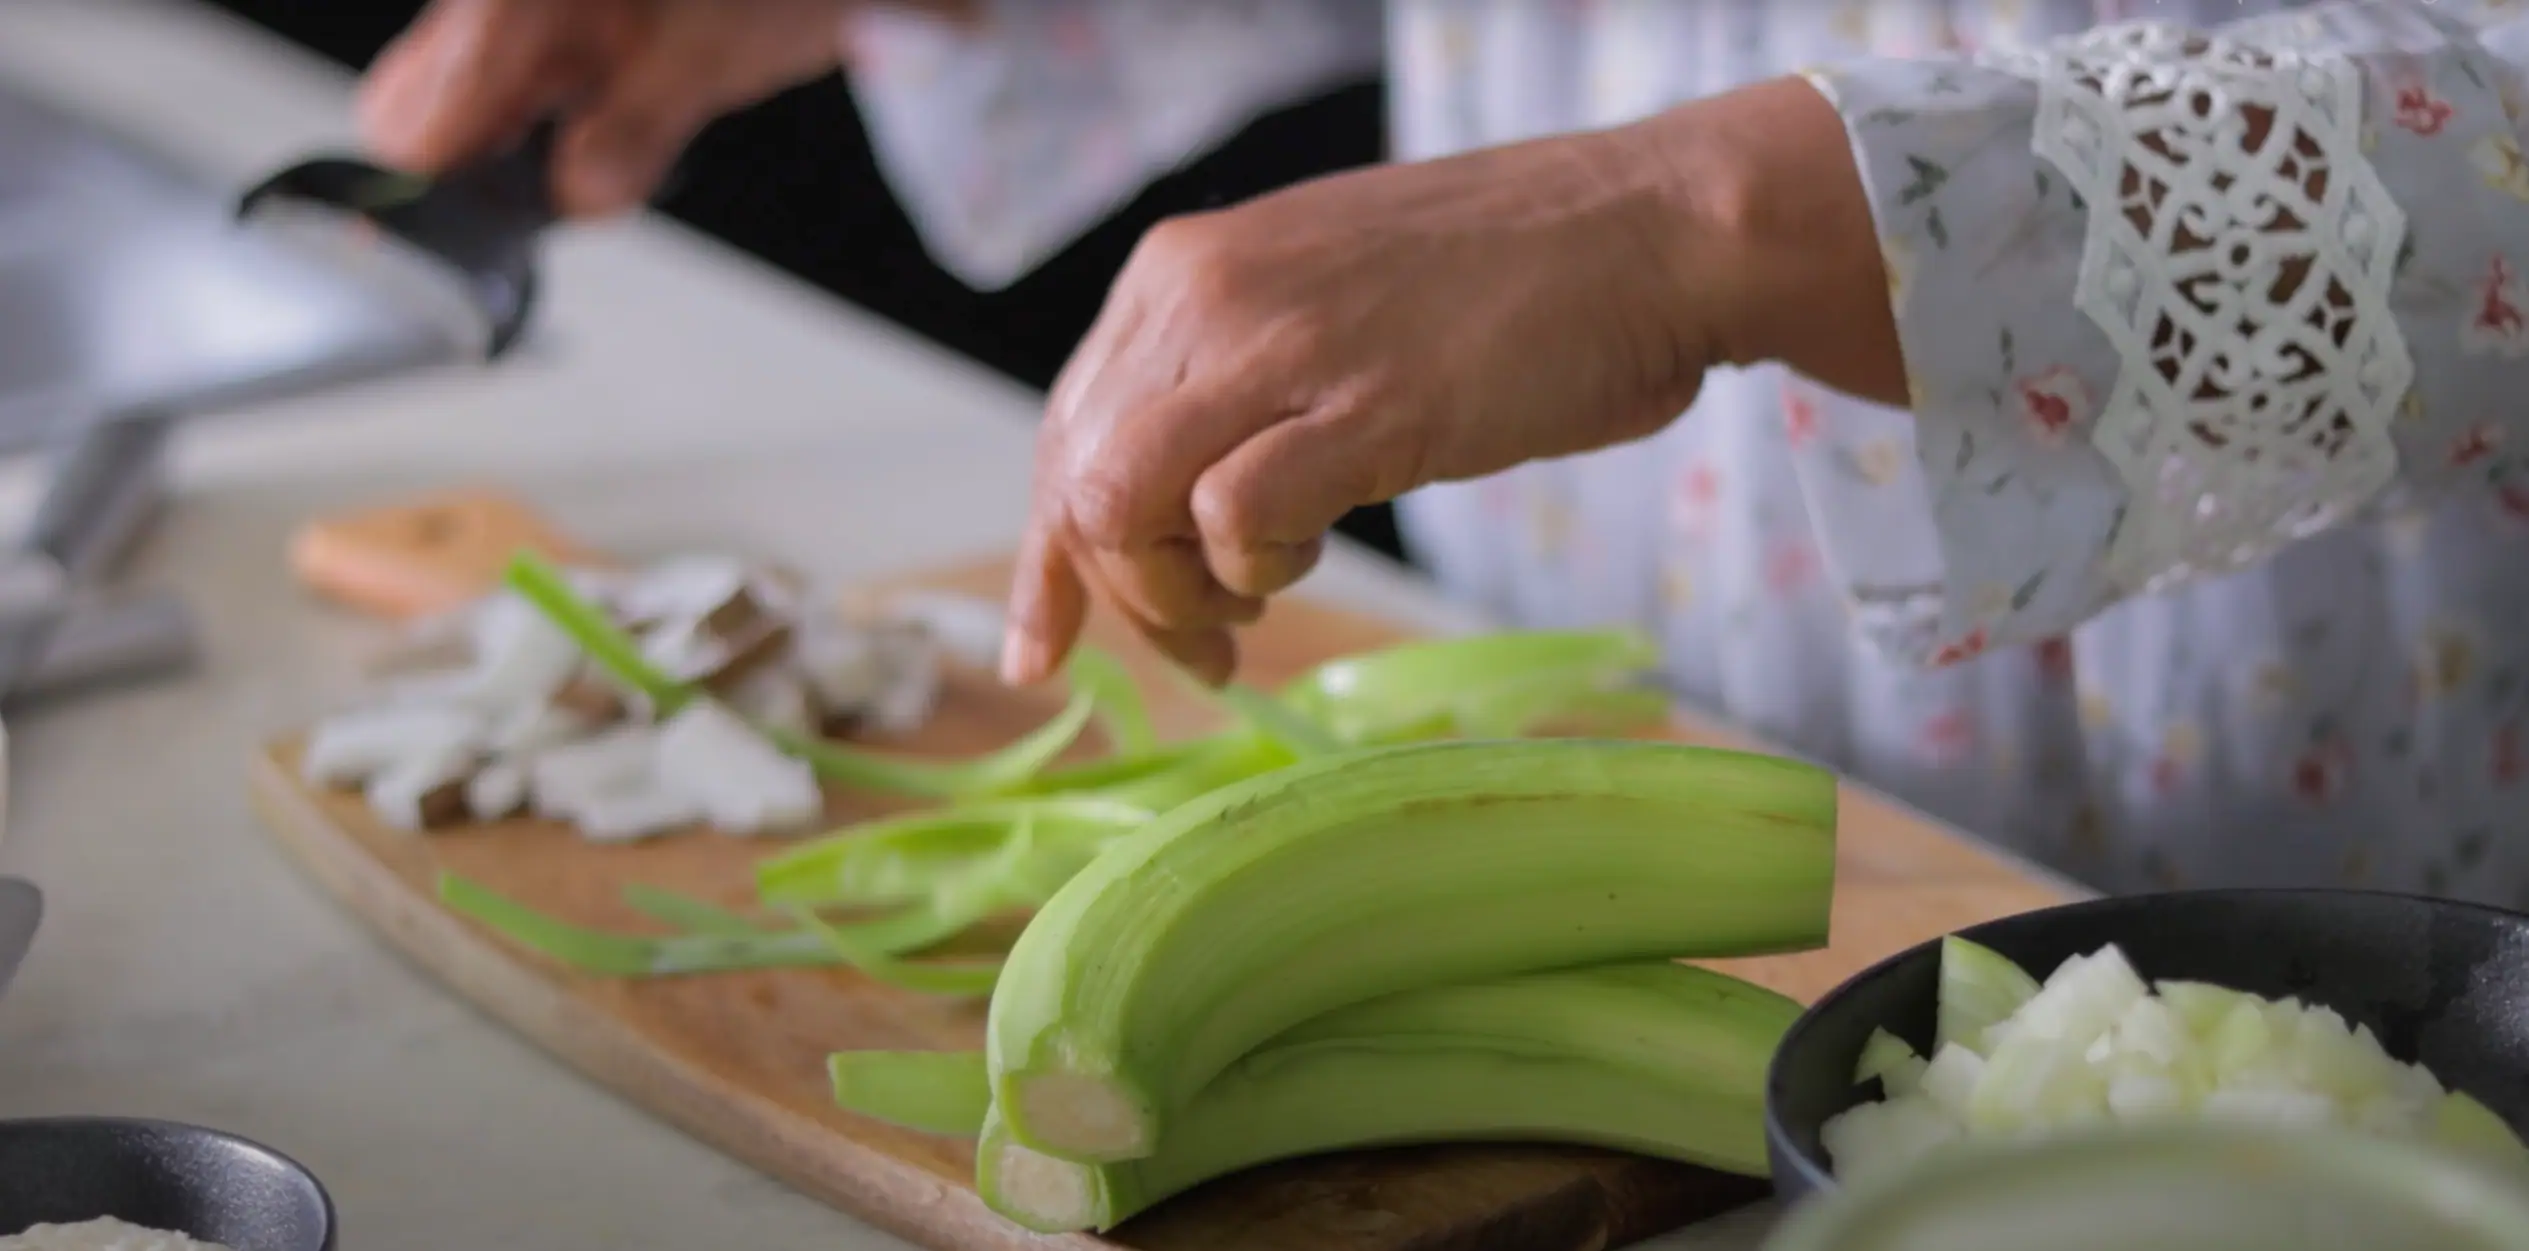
(793, 181)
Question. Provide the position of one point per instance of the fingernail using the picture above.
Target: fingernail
(1023, 658)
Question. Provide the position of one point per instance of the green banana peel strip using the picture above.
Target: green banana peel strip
(535, 580)
(1411, 689)
(686, 913)
(631, 955)
(930, 1092)
(1287, 727)
(701, 948)
(960, 978)
(909, 857)
(1121, 712)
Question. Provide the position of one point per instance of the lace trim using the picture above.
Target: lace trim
(2239, 255)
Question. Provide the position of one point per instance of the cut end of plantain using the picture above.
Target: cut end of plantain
(1078, 1117)
(1042, 1193)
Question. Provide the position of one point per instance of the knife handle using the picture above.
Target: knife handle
(104, 490)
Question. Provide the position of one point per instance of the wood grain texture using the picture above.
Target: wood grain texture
(738, 1059)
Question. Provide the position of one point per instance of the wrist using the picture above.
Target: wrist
(1767, 238)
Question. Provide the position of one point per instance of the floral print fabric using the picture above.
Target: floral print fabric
(1915, 597)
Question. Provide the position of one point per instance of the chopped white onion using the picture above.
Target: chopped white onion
(2095, 1044)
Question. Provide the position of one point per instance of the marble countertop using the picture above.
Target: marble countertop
(678, 396)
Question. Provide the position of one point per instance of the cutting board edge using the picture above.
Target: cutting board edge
(483, 974)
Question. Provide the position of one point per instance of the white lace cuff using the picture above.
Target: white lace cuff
(2171, 301)
(2239, 254)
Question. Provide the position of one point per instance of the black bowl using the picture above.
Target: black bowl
(2441, 983)
(200, 1182)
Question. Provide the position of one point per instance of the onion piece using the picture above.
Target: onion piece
(2094, 1044)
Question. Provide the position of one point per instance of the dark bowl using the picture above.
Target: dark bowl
(200, 1182)
(2441, 983)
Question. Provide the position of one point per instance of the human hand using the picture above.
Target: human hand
(634, 81)
(1260, 370)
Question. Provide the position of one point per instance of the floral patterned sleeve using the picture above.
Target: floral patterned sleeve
(1005, 140)
(2172, 299)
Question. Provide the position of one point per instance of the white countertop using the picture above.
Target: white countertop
(680, 396)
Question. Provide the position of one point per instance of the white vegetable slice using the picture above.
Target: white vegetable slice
(2034, 1081)
(1951, 1079)
(2200, 1006)
(520, 655)
(565, 778)
(2146, 1096)
(532, 728)
(968, 628)
(1979, 989)
(345, 749)
(775, 698)
(2083, 1000)
(843, 665)
(681, 588)
(1878, 1136)
(2095, 1044)
(1887, 1058)
(634, 813)
(496, 791)
(740, 781)
(906, 702)
(422, 790)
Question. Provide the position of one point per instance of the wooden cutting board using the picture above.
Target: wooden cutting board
(739, 1059)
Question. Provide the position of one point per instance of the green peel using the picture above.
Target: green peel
(1437, 687)
(900, 859)
(631, 955)
(930, 1092)
(960, 978)
(1121, 712)
(686, 913)
(1344, 878)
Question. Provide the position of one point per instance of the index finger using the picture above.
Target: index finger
(1048, 606)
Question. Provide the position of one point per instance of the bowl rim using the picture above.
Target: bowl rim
(324, 1198)
(1816, 1177)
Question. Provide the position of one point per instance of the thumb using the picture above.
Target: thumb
(469, 75)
